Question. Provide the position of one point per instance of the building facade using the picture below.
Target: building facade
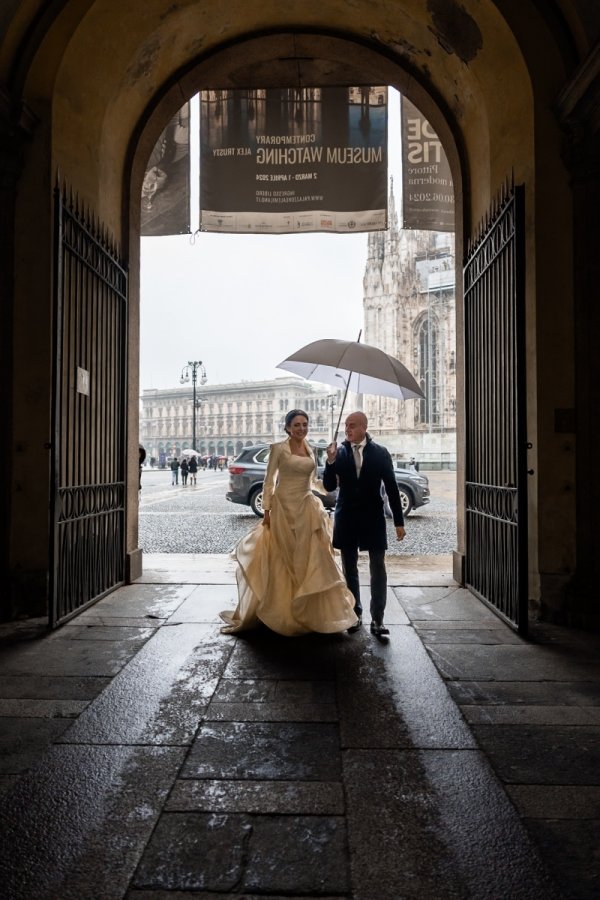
(410, 313)
(231, 416)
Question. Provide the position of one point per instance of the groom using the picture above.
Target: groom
(359, 466)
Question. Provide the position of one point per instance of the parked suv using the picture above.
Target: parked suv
(247, 474)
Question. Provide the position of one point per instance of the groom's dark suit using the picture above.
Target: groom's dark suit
(359, 522)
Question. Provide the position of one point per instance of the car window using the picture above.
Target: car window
(263, 455)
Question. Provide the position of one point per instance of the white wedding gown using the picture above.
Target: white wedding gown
(287, 575)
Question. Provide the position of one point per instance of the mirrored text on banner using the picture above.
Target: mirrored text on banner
(427, 190)
(277, 161)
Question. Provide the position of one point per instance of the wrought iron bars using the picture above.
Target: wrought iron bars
(89, 413)
(496, 489)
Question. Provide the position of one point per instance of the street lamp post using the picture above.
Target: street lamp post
(193, 367)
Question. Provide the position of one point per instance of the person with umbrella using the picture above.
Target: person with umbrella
(358, 467)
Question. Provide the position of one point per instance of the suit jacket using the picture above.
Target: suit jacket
(359, 517)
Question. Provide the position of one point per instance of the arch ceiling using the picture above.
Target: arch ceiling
(103, 66)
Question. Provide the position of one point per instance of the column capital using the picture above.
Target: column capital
(578, 109)
(17, 124)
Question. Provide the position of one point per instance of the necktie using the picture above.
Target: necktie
(357, 459)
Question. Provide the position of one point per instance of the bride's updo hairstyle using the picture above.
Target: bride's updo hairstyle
(291, 416)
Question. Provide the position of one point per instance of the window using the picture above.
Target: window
(427, 411)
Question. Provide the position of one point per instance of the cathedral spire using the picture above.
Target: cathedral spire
(392, 214)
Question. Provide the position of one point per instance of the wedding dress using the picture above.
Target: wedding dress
(287, 576)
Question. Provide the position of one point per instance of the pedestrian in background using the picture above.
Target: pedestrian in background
(193, 467)
(175, 471)
(142, 462)
(184, 470)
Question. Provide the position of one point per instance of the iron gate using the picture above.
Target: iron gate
(496, 488)
(89, 412)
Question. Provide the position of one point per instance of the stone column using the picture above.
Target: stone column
(16, 126)
(579, 110)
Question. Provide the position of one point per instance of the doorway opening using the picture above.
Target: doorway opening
(239, 304)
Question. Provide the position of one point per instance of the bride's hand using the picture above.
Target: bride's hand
(267, 518)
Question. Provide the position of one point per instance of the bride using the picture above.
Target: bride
(287, 576)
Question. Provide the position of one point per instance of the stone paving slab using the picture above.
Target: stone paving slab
(545, 754)
(83, 818)
(494, 855)
(206, 602)
(84, 658)
(161, 695)
(430, 634)
(299, 854)
(571, 849)
(219, 568)
(528, 693)
(42, 709)
(246, 853)
(515, 663)
(265, 750)
(454, 604)
(56, 687)
(209, 895)
(397, 846)
(569, 801)
(262, 654)
(92, 631)
(270, 712)
(140, 600)
(22, 741)
(286, 797)
(390, 695)
(113, 621)
(230, 690)
(439, 818)
(532, 715)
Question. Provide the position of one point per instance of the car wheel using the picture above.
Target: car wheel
(406, 500)
(256, 502)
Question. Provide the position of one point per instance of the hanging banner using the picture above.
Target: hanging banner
(308, 159)
(166, 186)
(427, 190)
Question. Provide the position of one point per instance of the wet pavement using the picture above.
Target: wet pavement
(144, 755)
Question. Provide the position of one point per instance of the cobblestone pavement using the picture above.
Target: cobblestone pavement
(198, 519)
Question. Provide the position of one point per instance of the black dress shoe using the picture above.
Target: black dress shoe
(354, 628)
(379, 629)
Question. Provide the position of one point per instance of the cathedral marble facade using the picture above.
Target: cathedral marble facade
(409, 312)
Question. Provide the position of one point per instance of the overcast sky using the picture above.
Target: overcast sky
(242, 303)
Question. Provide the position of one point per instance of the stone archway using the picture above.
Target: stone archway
(448, 58)
(319, 53)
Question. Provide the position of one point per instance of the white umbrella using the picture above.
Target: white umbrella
(189, 452)
(362, 368)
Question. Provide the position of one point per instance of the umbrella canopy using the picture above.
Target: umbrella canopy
(358, 367)
(189, 452)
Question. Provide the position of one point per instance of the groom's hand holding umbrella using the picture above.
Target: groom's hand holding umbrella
(332, 449)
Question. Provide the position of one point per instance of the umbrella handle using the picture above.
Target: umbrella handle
(337, 428)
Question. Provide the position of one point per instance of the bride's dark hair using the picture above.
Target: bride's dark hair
(292, 415)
